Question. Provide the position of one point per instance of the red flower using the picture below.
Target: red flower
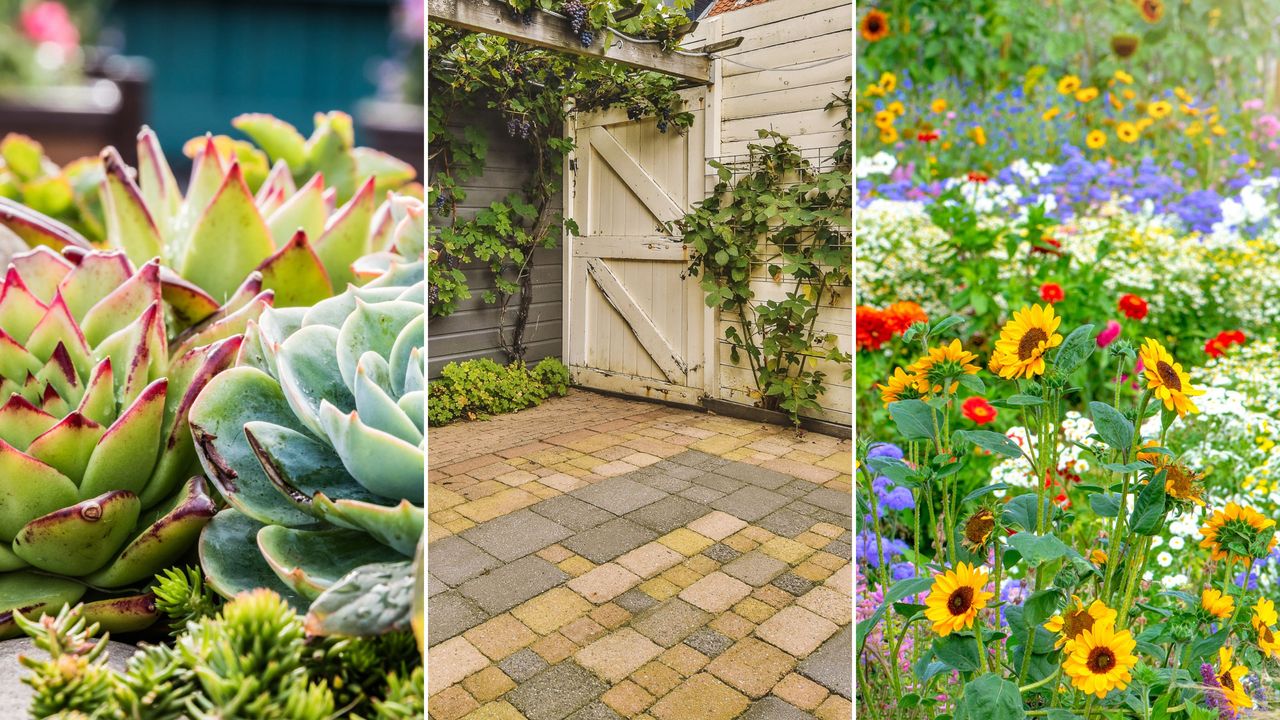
(50, 22)
(871, 329)
(1051, 293)
(1133, 307)
(978, 410)
(927, 136)
(978, 177)
(902, 315)
(1050, 246)
(1214, 347)
(1232, 337)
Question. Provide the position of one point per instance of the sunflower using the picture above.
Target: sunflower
(1180, 482)
(1124, 46)
(939, 105)
(1268, 641)
(1099, 660)
(875, 26)
(1166, 378)
(1152, 10)
(1087, 94)
(888, 82)
(978, 529)
(1127, 132)
(1095, 139)
(946, 362)
(900, 386)
(1076, 618)
(888, 136)
(1050, 114)
(1159, 109)
(1098, 557)
(1230, 676)
(1024, 340)
(884, 119)
(897, 108)
(1216, 604)
(1068, 85)
(979, 136)
(956, 597)
(1264, 613)
(1238, 530)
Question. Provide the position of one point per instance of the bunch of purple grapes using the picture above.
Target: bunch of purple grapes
(433, 294)
(519, 127)
(634, 112)
(664, 119)
(577, 13)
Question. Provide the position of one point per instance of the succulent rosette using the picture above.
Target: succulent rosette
(97, 491)
(316, 440)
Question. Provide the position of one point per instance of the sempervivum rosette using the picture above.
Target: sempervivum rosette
(316, 440)
(96, 460)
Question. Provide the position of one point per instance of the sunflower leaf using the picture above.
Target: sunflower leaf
(959, 652)
(1041, 605)
(990, 697)
(915, 419)
(1077, 348)
(990, 441)
(1150, 507)
(900, 590)
(1038, 549)
(1115, 429)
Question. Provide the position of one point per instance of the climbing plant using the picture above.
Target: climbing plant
(534, 90)
(778, 218)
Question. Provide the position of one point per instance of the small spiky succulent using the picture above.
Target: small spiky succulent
(316, 440)
(96, 460)
(67, 194)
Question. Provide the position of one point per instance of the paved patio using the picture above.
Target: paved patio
(597, 558)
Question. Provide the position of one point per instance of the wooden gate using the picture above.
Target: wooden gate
(634, 323)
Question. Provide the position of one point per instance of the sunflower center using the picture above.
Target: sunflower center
(1101, 660)
(1267, 635)
(979, 527)
(1076, 622)
(873, 25)
(1225, 681)
(1168, 376)
(1178, 482)
(1031, 340)
(960, 601)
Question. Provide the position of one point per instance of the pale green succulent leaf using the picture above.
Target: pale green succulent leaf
(231, 560)
(155, 179)
(334, 311)
(130, 225)
(160, 542)
(309, 561)
(414, 404)
(372, 327)
(95, 275)
(23, 156)
(30, 489)
(127, 453)
(401, 275)
(379, 411)
(329, 152)
(307, 367)
(127, 302)
(295, 274)
(42, 270)
(68, 445)
(370, 600)
(32, 593)
(402, 358)
(304, 210)
(383, 463)
(99, 400)
(346, 237)
(9, 561)
(59, 329)
(138, 353)
(80, 538)
(396, 526)
(414, 379)
(21, 422)
(207, 176)
(218, 416)
(388, 171)
(301, 467)
(280, 140)
(228, 241)
(277, 186)
(228, 326)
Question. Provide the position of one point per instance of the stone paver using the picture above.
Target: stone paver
(596, 558)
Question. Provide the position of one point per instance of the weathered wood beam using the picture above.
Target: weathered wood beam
(553, 33)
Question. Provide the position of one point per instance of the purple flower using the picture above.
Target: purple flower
(899, 498)
(902, 571)
(885, 450)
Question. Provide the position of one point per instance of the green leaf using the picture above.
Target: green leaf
(1128, 467)
(1150, 507)
(990, 697)
(983, 491)
(1077, 348)
(915, 419)
(1038, 549)
(900, 590)
(973, 383)
(945, 324)
(990, 441)
(1107, 505)
(1115, 428)
(1041, 605)
(959, 652)
(1021, 511)
(1206, 647)
(1024, 400)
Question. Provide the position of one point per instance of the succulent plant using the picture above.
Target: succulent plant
(316, 441)
(69, 195)
(96, 460)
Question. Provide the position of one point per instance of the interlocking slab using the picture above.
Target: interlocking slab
(515, 535)
(595, 711)
(635, 601)
(793, 583)
(572, 513)
(721, 553)
(512, 584)
(619, 495)
(840, 549)
(452, 614)
(750, 503)
(787, 523)
(828, 499)
(667, 514)
(718, 482)
(755, 568)
(556, 692)
(775, 708)
(831, 666)
(522, 665)
(700, 494)
(606, 542)
(755, 475)
(455, 561)
(709, 642)
(435, 586)
(671, 622)
(691, 458)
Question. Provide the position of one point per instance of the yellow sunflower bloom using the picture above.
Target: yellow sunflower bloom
(897, 108)
(939, 105)
(1099, 661)
(1230, 677)
(956, 597)
(1129, 94)
(1235, 523)
(1127, 132)
(1268, 641)
(1086, 94)
(941, 363)
(1218, 130)
(889, 136)
(1124, 77)
(1098, 557)
(1166, 378)
(873, 90)
(900, 386)
(1183, 95)
(1216, 604)
(1194, 129)
(1095, 139)
(1068, 85)
(1264, 613)
(1144, 123)
(1025, 339)
(885, 119)
(888, 82)
(1050, 114)
(1073, 621)
(979, 136)
(1159, 109)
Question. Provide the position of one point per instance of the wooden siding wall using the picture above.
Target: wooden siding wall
(472, 330)
(789, 37)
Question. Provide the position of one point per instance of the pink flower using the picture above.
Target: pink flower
(1254, 104)
(1268, 124)
(1109, 333)
(49, 22)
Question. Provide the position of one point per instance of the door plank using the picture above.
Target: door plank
(650, 338)
(663, 207)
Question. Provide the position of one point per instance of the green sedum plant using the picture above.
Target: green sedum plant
(96, 461)
(316, 440)
(480, 388)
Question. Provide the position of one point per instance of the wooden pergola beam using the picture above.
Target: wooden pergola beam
(547, 31)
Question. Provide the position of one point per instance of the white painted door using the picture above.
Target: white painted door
(634, 323)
